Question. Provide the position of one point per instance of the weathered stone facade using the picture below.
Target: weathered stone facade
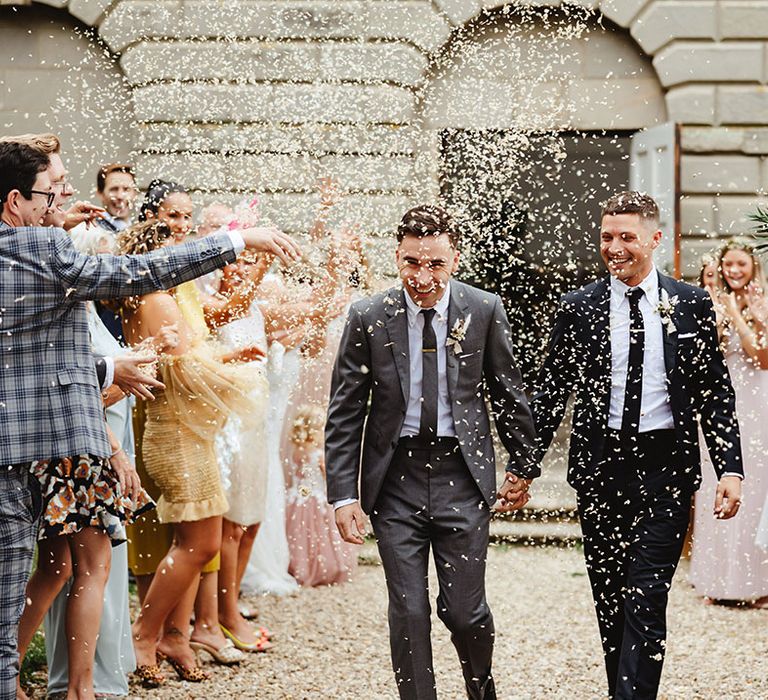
(291, 89)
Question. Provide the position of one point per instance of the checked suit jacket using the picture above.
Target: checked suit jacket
(50, 403)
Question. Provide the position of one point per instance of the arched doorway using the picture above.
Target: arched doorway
(531, 111)
(57, 76)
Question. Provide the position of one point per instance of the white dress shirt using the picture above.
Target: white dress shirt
(412, 422)
(655, 409)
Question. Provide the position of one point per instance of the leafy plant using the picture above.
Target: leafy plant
(760, 217)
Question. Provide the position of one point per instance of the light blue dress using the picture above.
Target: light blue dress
(114, 651)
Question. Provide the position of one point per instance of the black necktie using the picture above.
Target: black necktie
(633, 393)
(428, 425)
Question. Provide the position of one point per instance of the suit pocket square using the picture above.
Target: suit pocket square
(682, 336)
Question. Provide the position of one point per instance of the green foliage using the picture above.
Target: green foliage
(760, 217)
(35, 659)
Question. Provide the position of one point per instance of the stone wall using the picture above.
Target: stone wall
(291, 89)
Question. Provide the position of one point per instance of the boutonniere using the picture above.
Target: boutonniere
(665, 309)
(458, 333)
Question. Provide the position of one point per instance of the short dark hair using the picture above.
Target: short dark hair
(19, 167)
(106, 170)
(428, 220)
(631, 202)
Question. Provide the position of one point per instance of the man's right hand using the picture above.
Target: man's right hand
(350, 520)
(513, 493)
(130, 378)
(273, 241)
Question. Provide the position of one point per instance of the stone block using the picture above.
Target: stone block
(608, 55)
(411, 20)
(695, 139)
(744, 19)
(243, 61)
(742, 105)
(622, 12)
(697, 217)
(399, 63)
(198, 172)
(686, 61)
(53, 3)
(662, 22)
(720, 173)
(732, 214)
(691, 104)
(89, 11)
(691, 252)
(592, 104)
(756, 141)
(314, 139)
(459, 12)
(370, 173)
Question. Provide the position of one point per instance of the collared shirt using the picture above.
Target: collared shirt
(117, 224)
(655, 409)
(412, 422)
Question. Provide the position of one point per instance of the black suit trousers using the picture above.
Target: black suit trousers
(430, 500)
(634, 527)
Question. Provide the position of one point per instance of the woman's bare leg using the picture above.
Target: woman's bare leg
(175, 639)
(195, 544)
(91, 552)
(229, 588)
(143, 583)
(206, 628)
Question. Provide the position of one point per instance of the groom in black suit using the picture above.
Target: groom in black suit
(640, 352)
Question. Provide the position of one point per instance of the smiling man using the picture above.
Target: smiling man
(640, 352)
(419, 457)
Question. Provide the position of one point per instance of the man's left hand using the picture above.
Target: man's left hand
(513, 493)
(728, 497)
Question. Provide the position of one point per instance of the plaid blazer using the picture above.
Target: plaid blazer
(50, 404)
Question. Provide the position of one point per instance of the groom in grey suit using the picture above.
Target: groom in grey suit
(408, 441)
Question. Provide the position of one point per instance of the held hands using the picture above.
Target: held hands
(271, 240)
(728, 497)
(513, 493)
(350, 520)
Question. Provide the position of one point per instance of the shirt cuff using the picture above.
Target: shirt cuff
(741, 476)
(344, 502)
(237, 241)
(109, 375)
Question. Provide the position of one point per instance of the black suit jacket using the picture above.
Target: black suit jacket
(579, 361)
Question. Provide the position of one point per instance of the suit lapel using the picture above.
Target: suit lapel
(670, 339)
(397, 329)
(601, 323)
(458, 309)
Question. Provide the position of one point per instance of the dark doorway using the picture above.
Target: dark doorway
(529, 208)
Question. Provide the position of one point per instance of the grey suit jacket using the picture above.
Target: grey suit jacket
(50, 404)
(371, 383)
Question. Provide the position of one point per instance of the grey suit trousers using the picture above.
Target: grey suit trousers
(20, 505)
(430, 499)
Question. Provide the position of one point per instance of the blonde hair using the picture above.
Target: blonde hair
(745, 246)
(139, 239)
(47, 144)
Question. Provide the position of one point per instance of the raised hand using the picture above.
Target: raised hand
(350, 520)
(513, 493)
(271, 240)
(81, 212)
(330, 192)
(130, 378)
(727, 497)
(757, 302)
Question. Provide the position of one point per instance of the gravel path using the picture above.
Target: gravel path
(332, 642)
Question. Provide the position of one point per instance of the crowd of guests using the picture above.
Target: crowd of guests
(214, 389)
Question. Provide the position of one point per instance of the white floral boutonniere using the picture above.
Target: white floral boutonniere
(458, 333)
(665, 309)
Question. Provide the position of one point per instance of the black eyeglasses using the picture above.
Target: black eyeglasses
(49, 195)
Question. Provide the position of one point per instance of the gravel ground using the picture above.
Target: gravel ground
(332, 642)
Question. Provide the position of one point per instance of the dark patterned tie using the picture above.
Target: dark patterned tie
(633, 393)
(428, 425)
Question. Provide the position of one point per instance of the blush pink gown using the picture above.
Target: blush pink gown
(726, 561)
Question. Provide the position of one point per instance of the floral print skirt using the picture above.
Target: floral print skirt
(84, 491)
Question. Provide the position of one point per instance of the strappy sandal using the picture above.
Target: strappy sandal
(191, 675)
(261, 645)
(228, 655)
(150, 675)
(248, 613)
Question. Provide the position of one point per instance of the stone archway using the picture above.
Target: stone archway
(58, 76)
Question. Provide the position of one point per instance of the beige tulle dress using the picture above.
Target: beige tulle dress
(201, 392)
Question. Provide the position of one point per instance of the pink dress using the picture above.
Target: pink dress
(318, 554)
(726, 562)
